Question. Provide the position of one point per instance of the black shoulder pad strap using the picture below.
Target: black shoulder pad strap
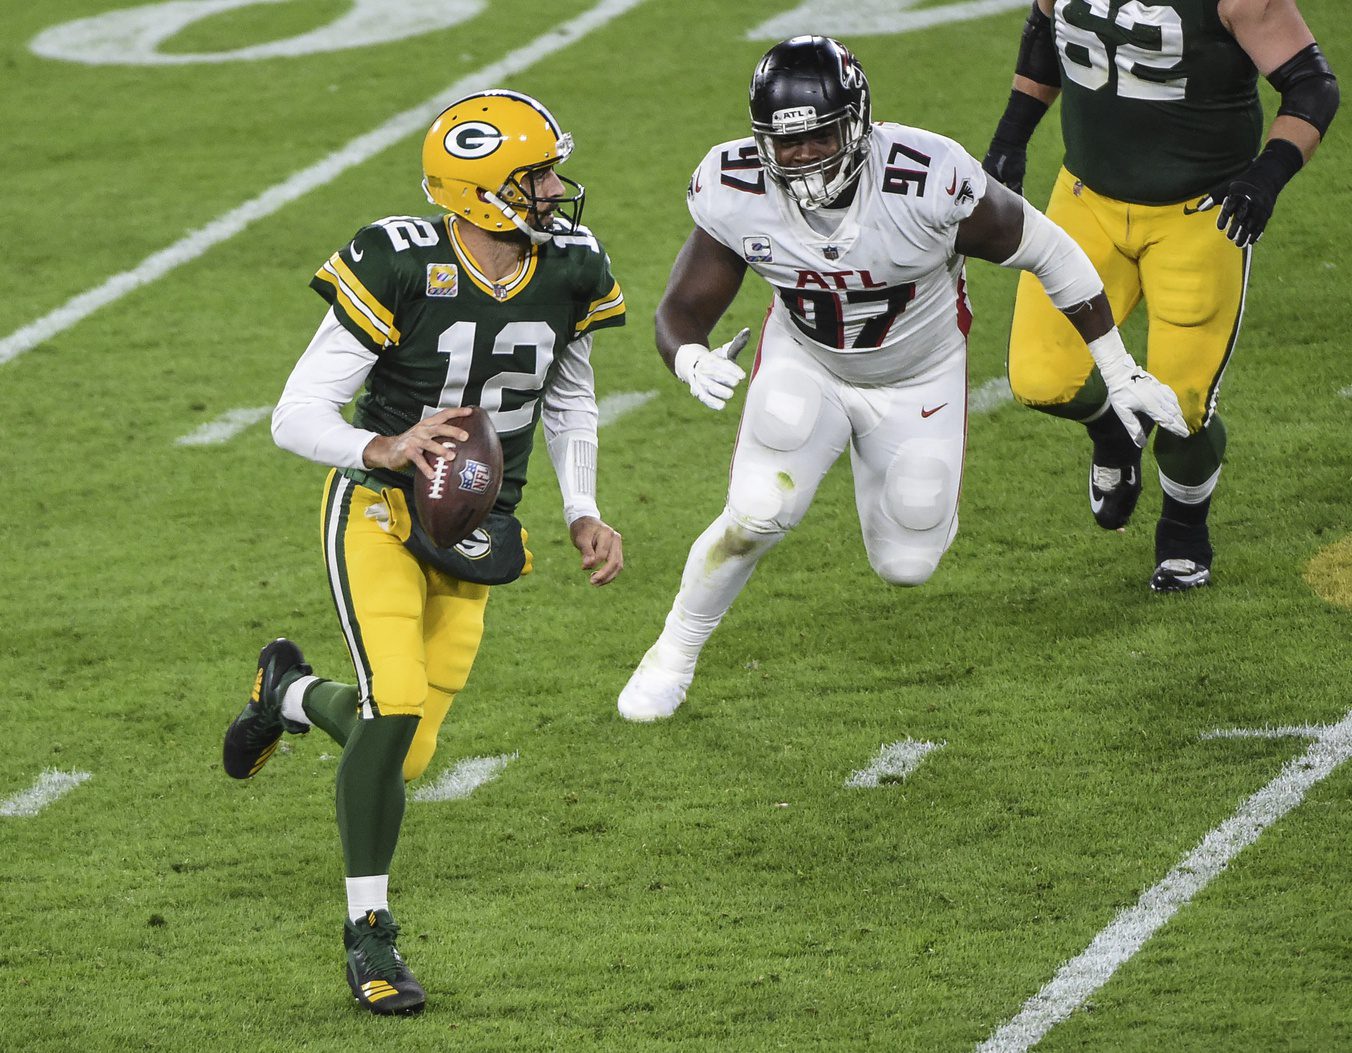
(1308, 88)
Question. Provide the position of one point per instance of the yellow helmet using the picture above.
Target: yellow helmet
(477, 152)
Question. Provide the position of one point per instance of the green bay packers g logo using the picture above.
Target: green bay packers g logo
(473, 140)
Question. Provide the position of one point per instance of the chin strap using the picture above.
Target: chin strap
(538, 237)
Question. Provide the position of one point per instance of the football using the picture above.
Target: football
(463, 487)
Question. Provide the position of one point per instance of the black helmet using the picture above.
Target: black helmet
(802, 85)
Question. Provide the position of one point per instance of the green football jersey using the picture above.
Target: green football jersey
(1159, 103)
(446, 335)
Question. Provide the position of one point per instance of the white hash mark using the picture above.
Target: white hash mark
(990, 396)
(613, 407)
(51, 785)
(893, 763)
(464, 778)
(1079, 978)
(225, 427)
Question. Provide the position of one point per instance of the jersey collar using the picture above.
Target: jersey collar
(507, 287)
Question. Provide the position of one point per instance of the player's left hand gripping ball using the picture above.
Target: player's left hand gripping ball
(464, 483)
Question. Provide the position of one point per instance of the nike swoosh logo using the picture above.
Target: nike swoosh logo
(697, 183)
(1204, 205)
(355, 252)
(1095, 503)
(953, 189)
(931, 412)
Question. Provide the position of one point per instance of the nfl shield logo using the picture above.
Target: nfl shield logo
(831, 252)
(475, 477)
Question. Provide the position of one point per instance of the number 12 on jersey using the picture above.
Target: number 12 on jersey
(507, 381)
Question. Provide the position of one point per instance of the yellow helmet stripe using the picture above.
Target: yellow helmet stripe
(375, 319)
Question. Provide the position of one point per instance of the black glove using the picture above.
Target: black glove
(1007, 158)
(1007, 162)
(1248, 199)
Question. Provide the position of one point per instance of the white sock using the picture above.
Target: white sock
(291, 701)
(367, 893)
(715, 572)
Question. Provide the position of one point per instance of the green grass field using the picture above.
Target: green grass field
(710, 883)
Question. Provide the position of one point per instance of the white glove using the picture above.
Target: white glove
(712, 375)
(1131, 390)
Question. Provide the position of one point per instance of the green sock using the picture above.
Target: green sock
(1194, 460)
(371, 792)
(332, 707)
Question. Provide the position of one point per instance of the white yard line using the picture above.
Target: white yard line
(358, 150)
(50, 786)
(894, 762)
(225, 427)
(464, 778)
(1288, 731)
(1079, 978)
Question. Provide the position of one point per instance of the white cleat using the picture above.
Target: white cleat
(655, 691)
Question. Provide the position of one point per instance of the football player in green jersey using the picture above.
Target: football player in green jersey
(1162, 124)
(493, 304)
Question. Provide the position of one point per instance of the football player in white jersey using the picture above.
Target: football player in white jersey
(862, 231)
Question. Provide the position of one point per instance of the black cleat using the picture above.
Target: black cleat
(253, 736)
(1113, 493)
(379, 979)
(1183, 556)
(1179, 575)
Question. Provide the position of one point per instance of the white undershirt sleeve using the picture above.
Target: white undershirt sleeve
(570, 418)
(308, 419)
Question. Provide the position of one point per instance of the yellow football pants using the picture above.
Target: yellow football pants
(412, 630)
(1193, 279)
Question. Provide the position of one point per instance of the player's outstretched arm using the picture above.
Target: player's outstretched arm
(1007, 230)
(703, 283)
(1037, 83)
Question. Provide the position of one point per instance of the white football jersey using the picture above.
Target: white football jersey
(881, 297)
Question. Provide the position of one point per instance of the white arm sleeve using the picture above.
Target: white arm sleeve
(308, 419)
(570, 417)
(1059, 264)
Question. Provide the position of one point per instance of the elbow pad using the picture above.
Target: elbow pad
(1308, 88)
(1059, 264)
(1037, 51)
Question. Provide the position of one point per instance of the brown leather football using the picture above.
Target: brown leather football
(461, 492)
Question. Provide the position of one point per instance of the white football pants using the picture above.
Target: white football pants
(906, 439)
